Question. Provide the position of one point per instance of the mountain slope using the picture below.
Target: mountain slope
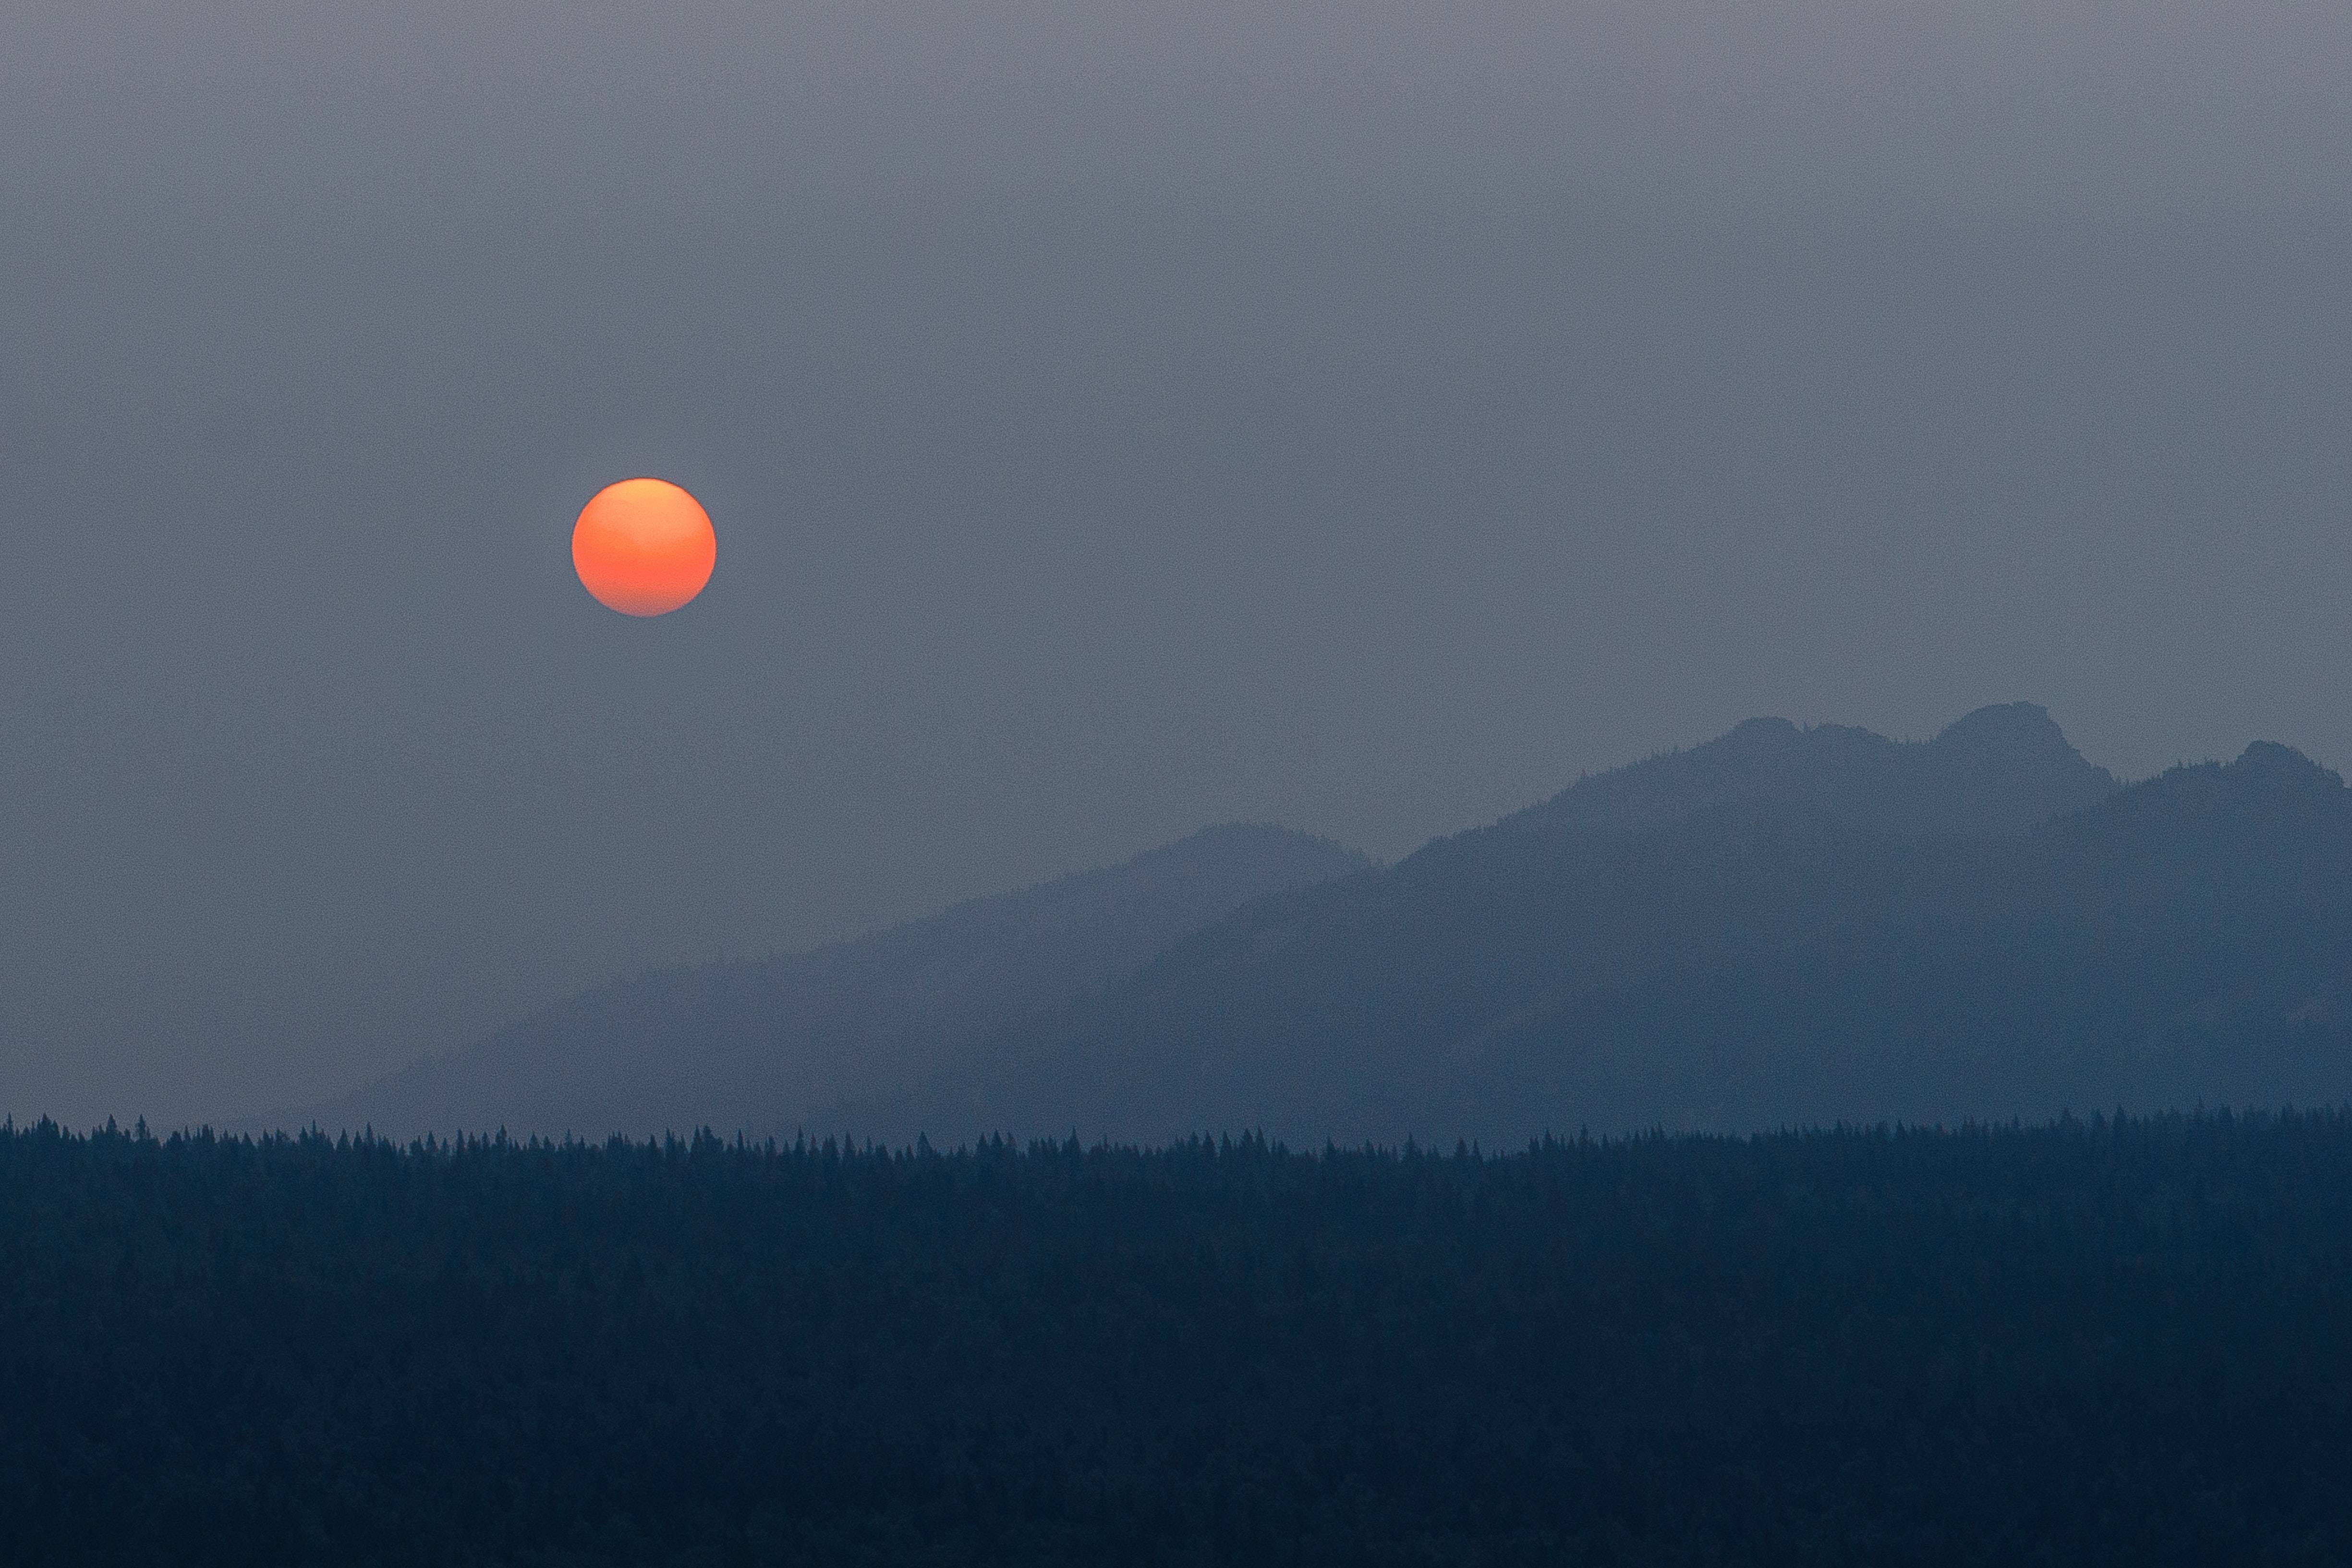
(752, 1046)
(1784, 926)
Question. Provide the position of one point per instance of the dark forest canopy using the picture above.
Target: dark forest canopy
(2113, 1341)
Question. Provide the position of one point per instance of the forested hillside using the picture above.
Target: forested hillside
(1784, 928)
(2092, 1344)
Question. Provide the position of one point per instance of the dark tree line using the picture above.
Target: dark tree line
(2104, 1341)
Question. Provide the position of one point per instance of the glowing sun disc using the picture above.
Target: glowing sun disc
(643, 547)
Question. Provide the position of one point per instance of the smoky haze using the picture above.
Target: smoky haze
(1116, 418)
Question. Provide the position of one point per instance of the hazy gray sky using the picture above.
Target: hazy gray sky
(1117, 418)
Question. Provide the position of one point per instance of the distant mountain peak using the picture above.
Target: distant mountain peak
(2269, 761)
(1997, 770)
(2006, 725)
(2269, 789)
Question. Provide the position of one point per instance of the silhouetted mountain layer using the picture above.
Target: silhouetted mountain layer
(1782, 927)
(753, 1046)
(1996, 771)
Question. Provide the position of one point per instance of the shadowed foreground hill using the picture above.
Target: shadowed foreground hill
(1785, 927)
(2087, 1344)
(754, 1046)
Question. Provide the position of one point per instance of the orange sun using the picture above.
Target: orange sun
(643, 547)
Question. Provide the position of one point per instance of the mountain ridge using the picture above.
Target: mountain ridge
(1738, 958)
(1996, 769)
(1783, 925)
